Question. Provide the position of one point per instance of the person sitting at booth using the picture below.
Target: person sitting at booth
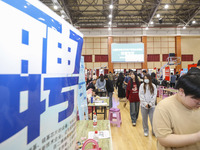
(101, 83)
(92, 85)
(176, 122)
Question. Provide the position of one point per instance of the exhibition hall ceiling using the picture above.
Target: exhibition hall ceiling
(128, 13)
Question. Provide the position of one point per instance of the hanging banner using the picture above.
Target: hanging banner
(82, 97)
(167, 73)
(39, 73)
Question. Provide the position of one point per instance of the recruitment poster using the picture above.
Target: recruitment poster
(39, 73)
(82, 97)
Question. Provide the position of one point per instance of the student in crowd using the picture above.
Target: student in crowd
(126, 80)
(177, 76)
(165, 83)
(91, 85)
(147, 94)
(144, 72)
(173, 80)
(153, 79)
(110, 89)
(101, 83)
(110, 76)
(176, 120)
(133, 97)
(89, 79)
(121, 91)
(94, 76)
(195, 69)
(115, 77)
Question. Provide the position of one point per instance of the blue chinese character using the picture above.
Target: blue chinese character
(12, 119)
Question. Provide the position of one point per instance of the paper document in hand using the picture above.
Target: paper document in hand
(102, 134)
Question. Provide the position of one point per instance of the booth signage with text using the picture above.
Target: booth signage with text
(39, 73)
(82, 97)
(167, 73)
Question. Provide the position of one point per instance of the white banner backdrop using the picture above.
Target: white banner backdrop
(39, 72)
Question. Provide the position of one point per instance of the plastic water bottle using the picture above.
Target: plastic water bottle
(92, 99)
(94, 120)
(96, 138)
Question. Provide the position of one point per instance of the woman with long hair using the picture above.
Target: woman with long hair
(101, 83)
(147, 94)
(121, 91)
(132, 91)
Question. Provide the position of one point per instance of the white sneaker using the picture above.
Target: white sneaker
(134, 124)
(146, 134)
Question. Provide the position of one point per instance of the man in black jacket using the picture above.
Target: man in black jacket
(110, 89)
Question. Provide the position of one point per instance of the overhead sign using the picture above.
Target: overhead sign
(127, 52)
(39, 72)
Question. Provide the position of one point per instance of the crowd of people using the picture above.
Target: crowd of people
(138, 89)
(175, 120)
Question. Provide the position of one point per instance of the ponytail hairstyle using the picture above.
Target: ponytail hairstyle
(136, 81)
(150, 84)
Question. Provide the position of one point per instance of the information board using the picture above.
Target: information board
(127, 52)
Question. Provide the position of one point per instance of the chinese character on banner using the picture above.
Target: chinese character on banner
(39, 72)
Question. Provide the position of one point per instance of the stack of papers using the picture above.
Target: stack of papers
(98, 101)
(100, 104)
(103, 97)
(102, 134)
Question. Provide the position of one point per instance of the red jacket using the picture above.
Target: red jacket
(132, 94)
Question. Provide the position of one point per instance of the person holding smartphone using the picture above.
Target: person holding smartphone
(147, 95)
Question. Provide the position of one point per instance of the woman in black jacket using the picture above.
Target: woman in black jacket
(121, 91)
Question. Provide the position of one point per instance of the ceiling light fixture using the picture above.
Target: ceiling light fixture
(111, 6)
(158, 15)
(109, 28)
(160, 20)
(63, 16)
(147, 28)
(184, 27)
(151, 22)
(110, 23)
(55, 7)
(166, 6)
(110, 16)
(193, 22)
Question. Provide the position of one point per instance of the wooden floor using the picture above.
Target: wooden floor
(127, 136)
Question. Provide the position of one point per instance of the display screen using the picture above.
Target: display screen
(127, 52)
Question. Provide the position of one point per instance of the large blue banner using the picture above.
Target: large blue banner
(39, 73)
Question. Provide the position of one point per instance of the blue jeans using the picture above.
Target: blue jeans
(134, 111)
